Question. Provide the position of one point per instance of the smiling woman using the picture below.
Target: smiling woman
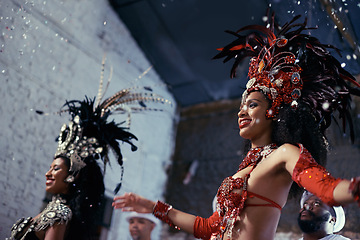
(295, 85)
(75, 177)
(253, 123)
(55, 177)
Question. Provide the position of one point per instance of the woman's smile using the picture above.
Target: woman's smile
(244, 122)
(252, 120)
(55, 177)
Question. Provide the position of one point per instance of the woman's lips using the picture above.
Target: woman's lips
(244, 122)
(49, 181)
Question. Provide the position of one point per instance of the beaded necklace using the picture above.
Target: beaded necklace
(254, 156)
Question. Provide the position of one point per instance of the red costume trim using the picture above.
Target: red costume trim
(161, 211)
(205, 227)
(230, 204)
(270, 203)
(314, 178)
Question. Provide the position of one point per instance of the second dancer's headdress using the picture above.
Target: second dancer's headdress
(90, 135)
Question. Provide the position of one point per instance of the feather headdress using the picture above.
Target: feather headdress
(289, 66)
(91, 135)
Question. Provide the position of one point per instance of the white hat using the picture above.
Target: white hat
(147, 216)
(339, 212)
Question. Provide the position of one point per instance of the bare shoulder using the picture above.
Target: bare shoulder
(287, 152)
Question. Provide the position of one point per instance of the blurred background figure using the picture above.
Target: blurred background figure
(318, 220)
(141, 225)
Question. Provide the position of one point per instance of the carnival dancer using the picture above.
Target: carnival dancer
(75, 177)
(294, 87)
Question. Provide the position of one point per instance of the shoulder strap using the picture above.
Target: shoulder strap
(55, 212)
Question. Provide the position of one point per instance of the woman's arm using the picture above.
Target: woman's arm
(55, 232)
(343, 193)
(133, 202)
(313, 177)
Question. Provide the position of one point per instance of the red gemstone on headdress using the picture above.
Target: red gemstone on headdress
(281, 42)
(295, 78)
(296, 93)
(261, 66)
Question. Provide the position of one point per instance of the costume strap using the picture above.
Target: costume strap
(270, 203)
(354, 189)
(55, 212)
(314, 178)
(161, 211)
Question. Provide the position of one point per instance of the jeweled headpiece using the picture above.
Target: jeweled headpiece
(90, 134)
(291, 67)
(277, 76)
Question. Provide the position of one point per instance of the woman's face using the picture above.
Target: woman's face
(252, 121)
(55, 177)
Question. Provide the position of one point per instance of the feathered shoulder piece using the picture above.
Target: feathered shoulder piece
(91, 135)
(289, 67)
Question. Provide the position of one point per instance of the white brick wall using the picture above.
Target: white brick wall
(51, 51)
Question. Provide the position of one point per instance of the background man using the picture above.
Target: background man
(141, 225)
(318, 220)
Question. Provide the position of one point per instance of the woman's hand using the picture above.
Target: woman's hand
(133, 202)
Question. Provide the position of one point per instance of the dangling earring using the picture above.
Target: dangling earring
(69, 179)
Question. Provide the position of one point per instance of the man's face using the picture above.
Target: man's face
(314, 215)
(140, 228)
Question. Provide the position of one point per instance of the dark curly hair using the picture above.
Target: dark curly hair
(300, 126)
(85, 196)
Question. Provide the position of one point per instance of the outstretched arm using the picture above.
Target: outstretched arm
(314, 178)
(133, 202)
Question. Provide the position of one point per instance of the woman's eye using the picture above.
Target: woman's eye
(252, 105)
(56, 168)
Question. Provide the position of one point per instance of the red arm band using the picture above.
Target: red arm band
(204, 227)
(161, 211)
(314, 178)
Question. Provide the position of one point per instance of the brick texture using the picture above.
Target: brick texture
(51, 51)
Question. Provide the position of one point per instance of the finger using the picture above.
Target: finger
(127, 209)
(119, 204)
(125, 196)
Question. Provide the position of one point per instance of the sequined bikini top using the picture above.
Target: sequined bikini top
(229, 203)
(55, 212)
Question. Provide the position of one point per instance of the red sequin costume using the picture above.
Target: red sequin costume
(314, 178)
(307, 174)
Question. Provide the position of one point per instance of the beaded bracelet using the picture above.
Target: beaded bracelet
(161, 211)
(354, 189)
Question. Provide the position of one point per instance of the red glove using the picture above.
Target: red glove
(205, 227)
